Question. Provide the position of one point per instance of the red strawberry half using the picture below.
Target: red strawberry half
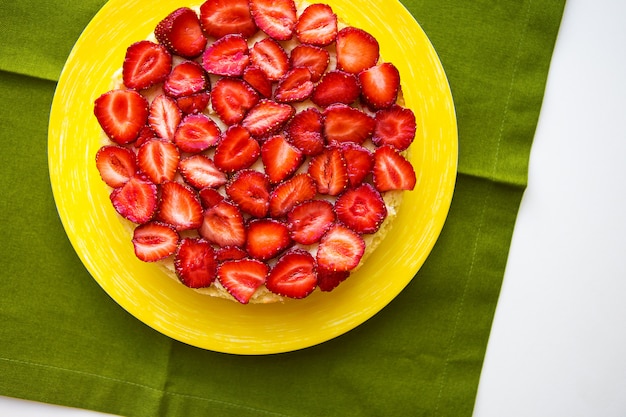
(195, 263)
(341, 249)
(232, 99)
(313, 58)
(196, 133)
(304, 131)
(357, 50)
(180, 32)
(210, 197)
(227, 56)
(362, 209)
(277, 18)
(258, 80)
(146, 64)
(136, 200)
(158, 159)
(395, 126)
(293, 275)
(116, 165)
(242, 277)
(121, 114)
(250, 190)
(359, 162)
(295, 86)
(380, 85)
(270, 57)
(164, 116)
(223, 225)
(237, 150)
(194, 103)
(317, 25)
(290, 193)
(154, 241)
(343, 123)
(329, 171)
(179, 207)
(230, 253)
(267, 238)
(280, 158)
(392, 171)
(267, 117)
(309, 221)
(329, 280)
(200, 172)
(336, 87)
(186, 78)
(222, 17)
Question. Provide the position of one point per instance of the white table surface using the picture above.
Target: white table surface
(558, 343)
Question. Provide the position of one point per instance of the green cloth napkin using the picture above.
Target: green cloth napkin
(64, 341)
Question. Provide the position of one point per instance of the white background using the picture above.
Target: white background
(558, 344)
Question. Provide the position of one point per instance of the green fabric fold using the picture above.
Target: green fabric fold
(64, 341)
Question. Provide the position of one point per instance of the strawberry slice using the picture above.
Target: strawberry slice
(186, 78)
(336, 87)
(164, 116)
(230, 253)
(241, 278)
(180, 32)
(343, 123)
(222, 17)
(293, 275)
(295, 86)
(280, 158)
(357, 50)
(223, 225)
(290, 193)
(270, 57)
(210, 197)
(380, 85)
(136, 200)
(227, 56)
(196, 133)
(200, 172)
(277, 18)
(116, 165)
(179, 207)
(145, 134)
(362, 209)
(395, 126)
(309, 221)
(250, 190)
(237, 150)
(267, 238)
(317, 25)
(392, 171)
(121, 114)
(258, 80)
(195, 263)
(267, 117)
(329, 171)
(359, 161)
(304, 131)
(154, 241)
(145, 64)
(158, 159)
(313, 58)
(194, 103)
(232, 99)
(329, 280)
(340, 249)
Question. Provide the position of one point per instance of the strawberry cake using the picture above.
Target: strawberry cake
(256, 148)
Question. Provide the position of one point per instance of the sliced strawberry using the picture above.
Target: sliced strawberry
(230, 253)
(329, 171)
(392, 171)
(280, 158)
(145, 64)
(164, 116)
(317, 25)
(227, 56)
(343, 123)
(200, 172)
(116, 165)
(277, 18)
(196, 133)
(329, 280)
(295, 86)
(304, 131)
(290, 193)
(308, 221)
(357, 50)
(241, 278)
(340, 249)
(180, 32)
(210, 197)
(195, 263)
(186, 78)
(362, 209)
(270, 57)
(158, 159)
(359, 161)
(179, 207)
(237, 150)
(154, 241)
(293, 275)
(222, 17)
(121, 114)
(250, 190)
(136, 200)
(258, 80)
(267, 238)
(336, 87)
(194, 103)
(395, 126)
(223, 225)
(314, 58)
(380, 85)
(232, 99)
(267, 117)
(145, 134)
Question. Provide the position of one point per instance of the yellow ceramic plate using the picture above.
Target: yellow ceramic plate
(104, 244)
